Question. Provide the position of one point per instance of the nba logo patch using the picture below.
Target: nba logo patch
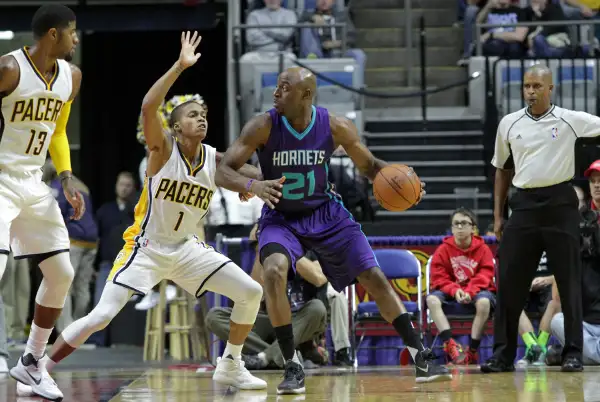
(144, 242)
(554, 132)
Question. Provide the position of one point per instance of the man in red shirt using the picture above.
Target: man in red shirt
(462, 270)
(593, 175)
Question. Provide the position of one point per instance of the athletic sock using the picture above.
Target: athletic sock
(445, 335)
(529, 339)
(285, 338)
(411, 339)
(233, 350)
(37, 341)
(542, 339)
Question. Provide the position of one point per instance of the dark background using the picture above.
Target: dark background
(118, 69)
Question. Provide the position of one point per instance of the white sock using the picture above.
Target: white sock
(234, 350)
(38, 339)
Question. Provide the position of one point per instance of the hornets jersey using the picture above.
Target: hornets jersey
(29, 114)
(176, 199)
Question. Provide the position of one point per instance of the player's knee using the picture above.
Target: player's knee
(100, 318)
(317, 310)
(433, 302)
(252, 293)
(58, 270)
(557, 324)
(374, 281)
(483, 306)
(275, 270)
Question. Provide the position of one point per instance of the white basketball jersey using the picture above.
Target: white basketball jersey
(176, 199)
(30, 112)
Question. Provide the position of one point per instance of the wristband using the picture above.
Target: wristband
(249, 185)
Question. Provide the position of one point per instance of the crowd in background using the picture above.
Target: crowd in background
(554, 41)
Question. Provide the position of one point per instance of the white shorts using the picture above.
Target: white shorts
(30, 219)
(143, 264)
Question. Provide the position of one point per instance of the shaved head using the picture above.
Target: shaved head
(537, 89)
(542, 71)
(295, 92)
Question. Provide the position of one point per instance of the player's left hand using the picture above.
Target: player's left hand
(74, 198)
(188, 56)
(423, 192)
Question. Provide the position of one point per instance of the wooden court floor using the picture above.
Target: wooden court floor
(336, 385)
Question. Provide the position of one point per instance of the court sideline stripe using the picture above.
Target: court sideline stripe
(111, 394)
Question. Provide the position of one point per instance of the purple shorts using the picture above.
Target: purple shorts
(330, 231)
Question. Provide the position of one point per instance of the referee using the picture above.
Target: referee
(537, 145)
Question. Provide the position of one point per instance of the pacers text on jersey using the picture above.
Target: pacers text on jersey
(182, 192)
(36, 109)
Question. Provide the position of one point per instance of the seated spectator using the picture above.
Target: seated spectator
(506, 42)
(309, 320)
(540, 300)
(593, 175)
(263, 42)
(326, 42)
(548, 41)
(462, 270)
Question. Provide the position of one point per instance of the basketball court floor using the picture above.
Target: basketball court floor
(182, 384)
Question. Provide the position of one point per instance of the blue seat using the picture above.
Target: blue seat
(395, 264)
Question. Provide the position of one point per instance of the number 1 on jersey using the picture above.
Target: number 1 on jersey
(176, 228)
(41, 136)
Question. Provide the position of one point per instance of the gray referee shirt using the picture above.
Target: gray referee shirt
(542, 149)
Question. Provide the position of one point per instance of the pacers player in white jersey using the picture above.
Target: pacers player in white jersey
(161, 244)
(37, 85)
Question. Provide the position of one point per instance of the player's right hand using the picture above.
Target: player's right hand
(268, 190)
(498, 227)
(188, 56)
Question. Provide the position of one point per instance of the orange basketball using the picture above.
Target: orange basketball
(397, 187)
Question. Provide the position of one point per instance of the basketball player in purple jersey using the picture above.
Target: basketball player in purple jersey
(295, 141)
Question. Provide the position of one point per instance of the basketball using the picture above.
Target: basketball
(396, 188)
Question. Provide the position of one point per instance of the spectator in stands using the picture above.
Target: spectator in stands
(326, 42)
(264, 42)
(593, 175)
(469, 19)
(540, 300)
(309, 319)
(547, 41)
(506, 42)
(462, 269)
(83, 235)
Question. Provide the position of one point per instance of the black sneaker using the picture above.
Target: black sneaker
(494, 365)
(253, 362)
(554, 355)
(429, 371)
(293, 379)
(342, 358)
(572, 365)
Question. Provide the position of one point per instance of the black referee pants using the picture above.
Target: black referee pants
(542, 219)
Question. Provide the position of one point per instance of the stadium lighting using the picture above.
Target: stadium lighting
(7, 35)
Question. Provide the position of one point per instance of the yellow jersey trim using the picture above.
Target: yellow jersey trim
(48, 84)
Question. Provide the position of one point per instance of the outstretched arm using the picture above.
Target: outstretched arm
(151, 120)
(246, 170)
(345, 134)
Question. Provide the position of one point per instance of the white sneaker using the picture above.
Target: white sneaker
(232, 372)
(24, 390)
(29, 372)
(150, 300)
(3, 365)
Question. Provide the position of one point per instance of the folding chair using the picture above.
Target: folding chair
(395, 264)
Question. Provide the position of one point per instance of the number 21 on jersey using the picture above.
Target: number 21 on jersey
(36, 142)
(298, 181)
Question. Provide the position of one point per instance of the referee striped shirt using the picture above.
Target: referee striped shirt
(542, 149)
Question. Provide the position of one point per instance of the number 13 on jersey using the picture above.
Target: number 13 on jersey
(38, 139)
(297, 181)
